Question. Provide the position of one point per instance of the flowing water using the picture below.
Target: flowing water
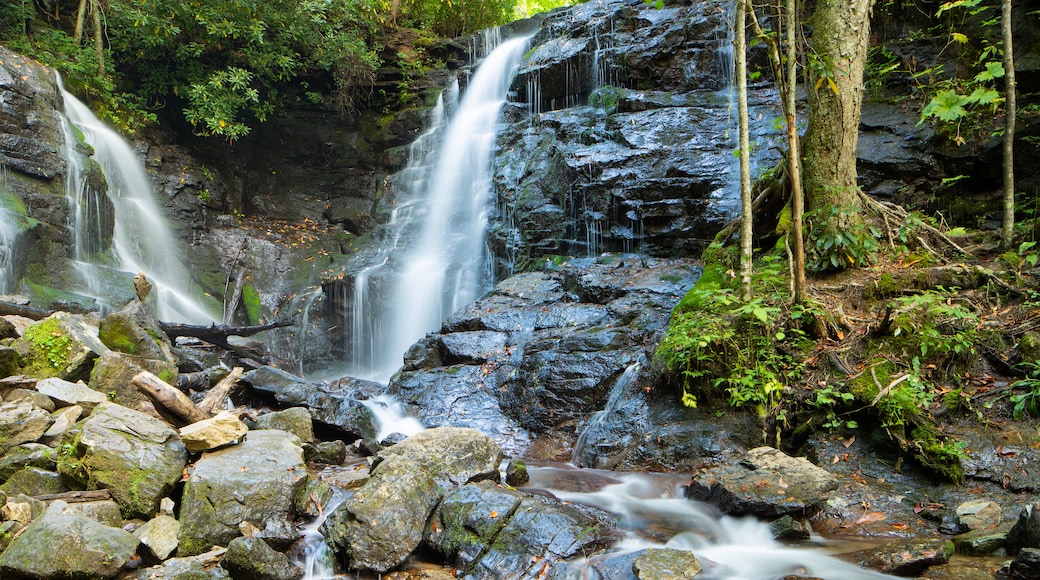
(8, 238)
(141, 238)
(435, 260)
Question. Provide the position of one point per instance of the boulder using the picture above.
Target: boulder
(22, 422)
(903, 558)
(296, 420)
(253, 559)
(62, 345)
(66, 393)
(159, 536)
(138, 458)
(666, 564)
(982, 542)
(201, 567)
(113, 372)
(35, 396)
(256, 481)
(9, 361)
(1026, 565)
(22, 508)
(134, 330)
(33, 481)
(979, 514)
(64, 419)
(213, 433)
(330, 452)
(26, 455)
(336, 404)
(1026, 531)
(379, 526)
(99, 551)
(486, 530)
(767, 484)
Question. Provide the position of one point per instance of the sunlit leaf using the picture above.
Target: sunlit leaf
(961, 38)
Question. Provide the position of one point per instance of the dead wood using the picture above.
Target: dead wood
(216, 399)
(169, 397)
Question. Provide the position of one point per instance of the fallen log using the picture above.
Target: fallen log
(216, 399)
(76, 496)
(169, 397)
(10, 308)
(215, 332)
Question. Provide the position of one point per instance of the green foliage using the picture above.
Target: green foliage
(1029, 400)
(936, 325)
(49, 349)
(457, 17)
(526, 8)
(743, 348)
(838, 239)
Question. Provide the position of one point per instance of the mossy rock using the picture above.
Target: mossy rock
(134, 330)
(113, 372)
(62, 345)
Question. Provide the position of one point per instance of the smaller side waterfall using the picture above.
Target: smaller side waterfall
(8, 239)
(613, 401)
(141, 238)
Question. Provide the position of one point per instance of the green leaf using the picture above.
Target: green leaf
(984, 96)
(959, 37)
(947, 106)
(994, 70)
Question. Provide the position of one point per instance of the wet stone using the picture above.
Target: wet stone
(666, 564)
(982, 542)
(903, 558)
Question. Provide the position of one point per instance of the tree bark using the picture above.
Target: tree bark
(169, 397)
(216, 398)
(1010, 106)
(840, 40)
(740, 64)
(794, 155)
(99, 45)
(81, 15)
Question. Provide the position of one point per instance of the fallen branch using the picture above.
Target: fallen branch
(216, 399)
(169, 397)
(218, 332)
(76, 496)
(10, 308)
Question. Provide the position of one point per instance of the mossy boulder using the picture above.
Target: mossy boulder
(22, 422)
(64, 543)
(34, 481)
(255, 481)
(9, 361)
(134, 330)
(253, 558)
(62, 345)
(296, 420)
(137, 457)
(113, 372)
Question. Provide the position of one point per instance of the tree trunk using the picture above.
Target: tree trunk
(840, 39)
(1007, 230)
(99, 44)
(81, 15)
(740, 64)
(793, 156)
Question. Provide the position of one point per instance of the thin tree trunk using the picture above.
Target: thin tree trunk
(794, 155)
(99, 44)
(740, 61)
(81, 15)
(1007, 231)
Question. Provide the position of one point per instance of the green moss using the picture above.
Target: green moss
(50, 349)
(168, 375)
(118, 334)
(251, 300)
(884, 286)
(938, 453)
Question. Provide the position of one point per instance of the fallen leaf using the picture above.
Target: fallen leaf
(900, 526)
(870, 517)
(835, 460)
(850, 441)
(493, 515)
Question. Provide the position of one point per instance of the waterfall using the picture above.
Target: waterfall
(141, 238)
(435, 260)
(613, 400)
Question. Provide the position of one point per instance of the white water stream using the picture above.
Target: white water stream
(141, 241)
(8, 238)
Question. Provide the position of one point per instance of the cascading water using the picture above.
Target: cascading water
(141, 238)
(438, 259)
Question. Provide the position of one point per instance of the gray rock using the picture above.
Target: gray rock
(37, 398)
(10, 360)
(134, 330)
(490, 531)
(34, 481)
(767, 484)
(330, 452)
(255, 481)
(903, 558)
(982, 542)
(68, 394)
(253, 559)
(64, 419)
(159, 536)
(201, 567)
(1026, 565)
(296, 420)
(113, 373)
(379, 526)
(100, 551)
(138, 458)
(22, 508)
(1026, 531)
(666, 564)
(27, 455)
(21, 422)
(336, 404)
(105, 512)
(788, 529)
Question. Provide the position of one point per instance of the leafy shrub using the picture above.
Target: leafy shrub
(457, 17)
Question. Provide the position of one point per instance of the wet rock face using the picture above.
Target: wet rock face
(604, 165)
(563, 355)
